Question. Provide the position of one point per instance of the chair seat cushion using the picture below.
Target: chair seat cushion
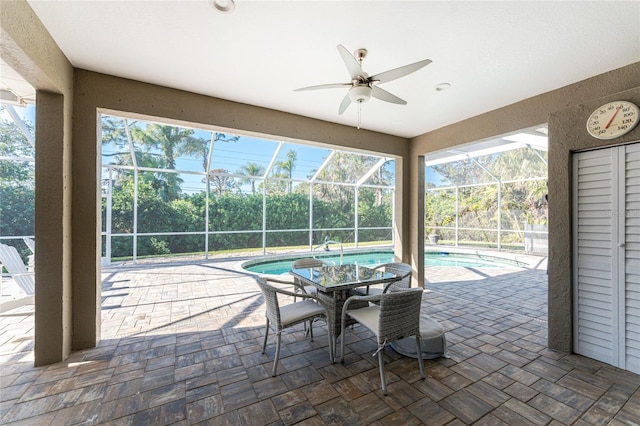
(368, 317)
(299, 311)
(434, 342)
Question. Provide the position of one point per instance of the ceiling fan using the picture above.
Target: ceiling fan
(363, 86)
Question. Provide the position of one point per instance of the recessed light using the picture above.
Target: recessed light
(225, 6)
(442, 86)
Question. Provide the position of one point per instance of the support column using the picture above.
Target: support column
(420, 231)
(86, 221)
(53, 328)
(402, 215)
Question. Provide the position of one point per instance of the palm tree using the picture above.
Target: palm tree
(251, 170)
(168, 140)
(288, 166)
(198, 147)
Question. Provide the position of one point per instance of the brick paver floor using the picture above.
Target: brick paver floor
(181, 344)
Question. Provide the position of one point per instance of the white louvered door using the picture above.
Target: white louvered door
(632, 260)
(595, 269)
(606, 200)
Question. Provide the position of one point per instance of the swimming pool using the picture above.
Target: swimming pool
(280, 265)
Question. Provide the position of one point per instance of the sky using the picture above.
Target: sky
(27, 113)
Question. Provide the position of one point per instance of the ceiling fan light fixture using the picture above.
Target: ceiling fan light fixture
(224, 6)
(360, 94)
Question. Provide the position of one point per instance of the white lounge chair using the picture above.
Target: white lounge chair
(31, 244)
(24, 279)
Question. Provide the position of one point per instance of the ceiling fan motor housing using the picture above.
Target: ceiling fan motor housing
(360, 93)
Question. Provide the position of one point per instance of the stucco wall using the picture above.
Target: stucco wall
(565, 110)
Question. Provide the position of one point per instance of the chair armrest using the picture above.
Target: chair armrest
(276, 280)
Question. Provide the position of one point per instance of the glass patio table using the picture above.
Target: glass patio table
(335, 283)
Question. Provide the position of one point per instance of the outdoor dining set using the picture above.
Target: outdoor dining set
(378, 298)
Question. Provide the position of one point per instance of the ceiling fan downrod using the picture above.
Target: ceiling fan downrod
(360, 54)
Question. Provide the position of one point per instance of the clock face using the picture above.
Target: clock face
(613, 120)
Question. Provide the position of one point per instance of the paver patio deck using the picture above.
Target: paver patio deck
(181, 344)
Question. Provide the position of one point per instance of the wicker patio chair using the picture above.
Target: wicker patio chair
(400, 270)
(281, 317)
(307, 262)
(396, 317)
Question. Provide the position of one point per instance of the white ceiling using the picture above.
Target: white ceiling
(492, 53)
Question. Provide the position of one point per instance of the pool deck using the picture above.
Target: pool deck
(181, 344)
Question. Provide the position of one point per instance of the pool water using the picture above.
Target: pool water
(279, 267)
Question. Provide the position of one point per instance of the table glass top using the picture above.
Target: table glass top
(342, 275)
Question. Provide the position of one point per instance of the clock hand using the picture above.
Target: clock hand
(614, 116)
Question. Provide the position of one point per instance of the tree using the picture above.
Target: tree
(17, 209)
(287, 166)
(154, 146)
(521, 194)
(14, 144)
(198, 147)
(251, 170)
(222, 182)
(17, 183)
(114, 138)
(346, 167)
(168, 140)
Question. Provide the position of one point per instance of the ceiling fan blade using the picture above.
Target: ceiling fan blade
(395, 73)
(383, 95)
(324, 86)
(355, 70)
(346, 101)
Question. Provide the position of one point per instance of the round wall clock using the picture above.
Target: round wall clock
(613, 120)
